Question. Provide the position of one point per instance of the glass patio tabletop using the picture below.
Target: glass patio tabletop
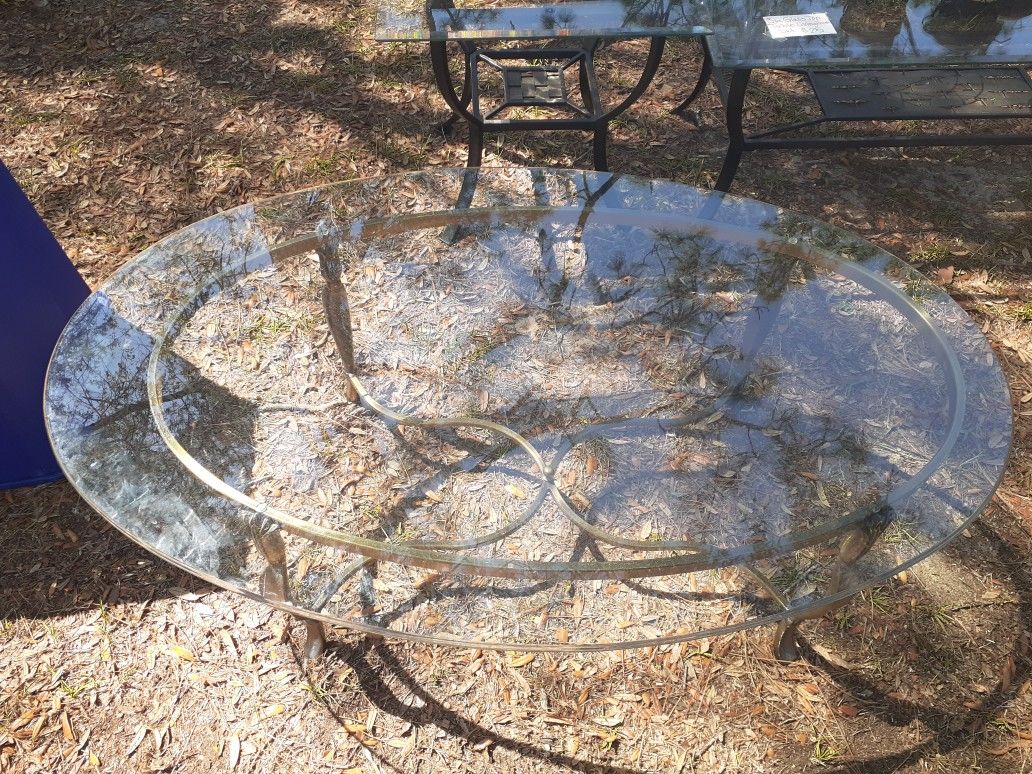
(439, 20)
(873, 33)
(531, 409)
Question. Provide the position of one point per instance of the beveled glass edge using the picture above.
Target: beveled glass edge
(395, 34)
(792, 611)
(397, 26)
(722, 60)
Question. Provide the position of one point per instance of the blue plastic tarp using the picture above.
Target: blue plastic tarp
(39, 291)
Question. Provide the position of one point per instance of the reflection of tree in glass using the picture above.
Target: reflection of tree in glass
(874, 22)
(165, 507)
(966, 25)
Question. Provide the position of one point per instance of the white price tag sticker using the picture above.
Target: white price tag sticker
(799, 25)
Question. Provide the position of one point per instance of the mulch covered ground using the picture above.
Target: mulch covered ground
(127, 119)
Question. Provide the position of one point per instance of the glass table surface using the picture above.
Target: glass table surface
(593, 411)
(875, 33)
(440, 20)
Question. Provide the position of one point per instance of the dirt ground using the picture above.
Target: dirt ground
(127, 119)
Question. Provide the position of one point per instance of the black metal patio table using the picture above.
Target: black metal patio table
(580, 412)
(876, 60)
(555, 76)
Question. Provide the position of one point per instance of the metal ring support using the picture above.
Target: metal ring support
(699, 558)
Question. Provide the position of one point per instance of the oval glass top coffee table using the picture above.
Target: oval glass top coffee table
(529, 409)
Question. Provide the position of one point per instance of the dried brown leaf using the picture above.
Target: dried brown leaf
(233, 743)
(138, 737)
(66, 727)
(182, 653)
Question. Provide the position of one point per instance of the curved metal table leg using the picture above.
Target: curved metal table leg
(274, 583)
(700, 85)
(735, 132)
(857, 542)
(458, 104)
(315, 638)
(648, 72)
(448, 127)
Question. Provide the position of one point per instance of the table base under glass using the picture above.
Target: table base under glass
(852, 545)
(535, 85)
(275, 582)
(939, 94)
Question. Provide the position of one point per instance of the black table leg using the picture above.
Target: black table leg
(459, 104)
(704, 76)
(448, 127)
(591, 118)
(476, 145)
(601, 128)
(598, 148)
(735, 132)
(648, 72)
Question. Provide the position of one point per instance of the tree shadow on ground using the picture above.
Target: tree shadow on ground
(58, 558)
(953, 727)
(382, 677)
(391, 686)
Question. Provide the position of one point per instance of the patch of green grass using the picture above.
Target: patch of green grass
(1002, 724)
(880, 600)
(941, 617)
(321, 166)
(823, 751)
(127, 78)
(405, 534)
(1024, 312)
(265, 327)
(844, 620)
(962, 154)
(788, 108)
(219, 162)
(934, 253)
(394, 151)
(788, 577)
(75, 691)
(317, 690)
(19, 120)
(352, 30)
(77, 147)
(328, 165)
(899, 532)
(915, 289)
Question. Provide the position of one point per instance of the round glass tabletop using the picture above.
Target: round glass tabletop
(530, 409)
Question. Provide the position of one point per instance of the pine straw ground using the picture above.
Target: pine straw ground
(127, 119)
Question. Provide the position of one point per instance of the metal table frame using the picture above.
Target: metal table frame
(855, 539)
(592, 117)
(733, 91)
